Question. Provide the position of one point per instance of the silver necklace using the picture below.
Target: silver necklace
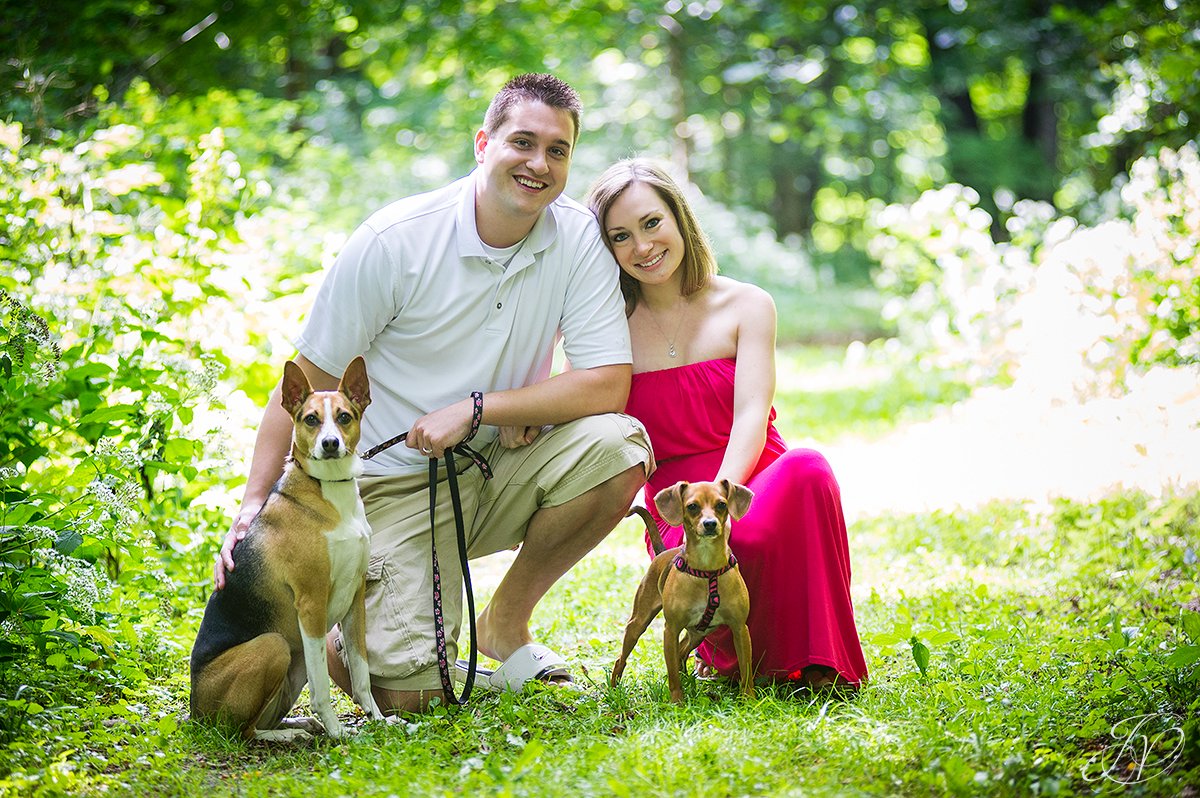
(671, 340)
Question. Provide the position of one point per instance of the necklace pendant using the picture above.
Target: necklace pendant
(671, 351)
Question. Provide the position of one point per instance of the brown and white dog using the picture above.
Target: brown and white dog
(697, 585)
(300, 569)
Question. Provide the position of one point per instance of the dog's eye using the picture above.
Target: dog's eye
(312, 420)
(693, 507)
(721, 506)
(344, 418)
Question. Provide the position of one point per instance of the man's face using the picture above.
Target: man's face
(524, 164)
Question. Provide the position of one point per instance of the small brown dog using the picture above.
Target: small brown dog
(697, 585)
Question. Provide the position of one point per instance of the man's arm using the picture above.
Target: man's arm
(565, 397)
(270, 450)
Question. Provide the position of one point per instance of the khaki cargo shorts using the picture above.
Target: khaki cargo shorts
(563, 463)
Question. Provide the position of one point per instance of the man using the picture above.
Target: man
(459, 290)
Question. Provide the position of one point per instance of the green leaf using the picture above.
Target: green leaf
(167, 725)
(86, 370)
(1184, 656)
(920, 655)
(110, 413)
(19, 514)
(102, 635)
(67, 541)
(1191, 625)
(178, 450)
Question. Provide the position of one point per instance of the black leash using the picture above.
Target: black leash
(439, 628)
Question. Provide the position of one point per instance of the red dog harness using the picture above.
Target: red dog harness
(714, 598)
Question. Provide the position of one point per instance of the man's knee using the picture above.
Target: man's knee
(612, 438)
(627, 483)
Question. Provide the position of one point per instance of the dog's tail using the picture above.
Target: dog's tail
(651, 527)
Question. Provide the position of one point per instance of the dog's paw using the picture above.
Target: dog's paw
(310, 725)
(291, 735)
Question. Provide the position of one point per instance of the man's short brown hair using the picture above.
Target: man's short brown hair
(535, 86)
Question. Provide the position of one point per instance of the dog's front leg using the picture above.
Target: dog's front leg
(354, 638)
(741, 645)
(671, 652)
(693, 641)
(312, 614)
(318, 683)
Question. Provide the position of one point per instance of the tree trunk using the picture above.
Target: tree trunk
(681, 143)
(1039, 124)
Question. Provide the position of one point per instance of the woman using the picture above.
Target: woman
(703, 382)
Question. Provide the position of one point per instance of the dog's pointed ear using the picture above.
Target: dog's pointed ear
(355, 384)
(295, 388)
(669, 502)
(737, 497)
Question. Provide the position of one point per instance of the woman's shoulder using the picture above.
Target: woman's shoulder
(747, 296)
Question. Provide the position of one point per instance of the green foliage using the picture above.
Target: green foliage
(810, 113)
(1012, 652)
(1060, 301)
(947, 286)
(111, 276)
(1162, 322)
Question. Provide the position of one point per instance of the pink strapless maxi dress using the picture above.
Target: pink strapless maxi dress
(791, 545)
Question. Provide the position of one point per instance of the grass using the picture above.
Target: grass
(819, 396)
(1004, 644)
(833, 314)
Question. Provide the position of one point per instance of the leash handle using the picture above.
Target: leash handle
(461, 447)
(439, 625)
(439, 629)
(476, 414)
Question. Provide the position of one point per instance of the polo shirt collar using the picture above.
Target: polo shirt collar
(544, 231)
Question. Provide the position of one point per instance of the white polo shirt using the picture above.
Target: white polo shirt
(416, 294)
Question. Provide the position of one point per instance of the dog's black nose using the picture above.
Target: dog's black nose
(330, 445)
(710, 526)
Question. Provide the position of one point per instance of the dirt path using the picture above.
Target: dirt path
(1018, 443)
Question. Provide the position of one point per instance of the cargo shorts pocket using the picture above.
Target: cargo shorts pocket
(394, 647)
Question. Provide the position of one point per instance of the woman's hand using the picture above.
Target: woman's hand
(516, 437)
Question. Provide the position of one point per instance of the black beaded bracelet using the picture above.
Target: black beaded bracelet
(476, 414)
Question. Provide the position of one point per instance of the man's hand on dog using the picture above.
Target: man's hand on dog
(241, 525)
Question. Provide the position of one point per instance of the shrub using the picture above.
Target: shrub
(1067, 306)
(124, 328)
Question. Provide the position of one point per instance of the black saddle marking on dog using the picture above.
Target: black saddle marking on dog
(238, 612)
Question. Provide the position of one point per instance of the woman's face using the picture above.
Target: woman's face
(644, 235)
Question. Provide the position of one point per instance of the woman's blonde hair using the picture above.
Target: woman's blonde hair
(698, 264)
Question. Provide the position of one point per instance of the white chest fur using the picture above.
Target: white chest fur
(349, 545)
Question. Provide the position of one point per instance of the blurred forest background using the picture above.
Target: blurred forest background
(811, 114)
(993, 191)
